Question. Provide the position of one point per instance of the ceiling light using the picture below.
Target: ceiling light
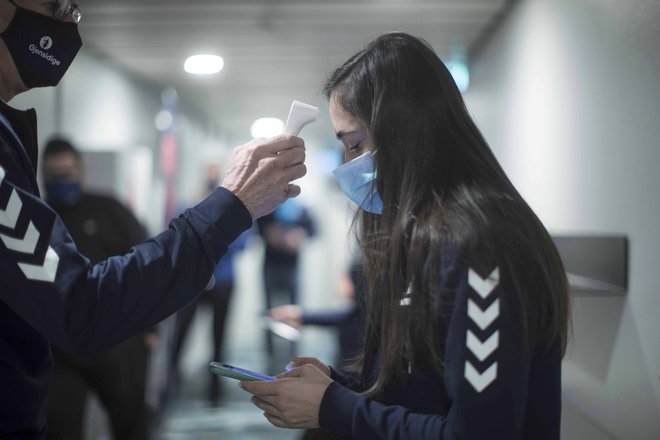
(266, 127)
(204, 64)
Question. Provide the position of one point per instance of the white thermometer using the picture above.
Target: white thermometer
(300, 115)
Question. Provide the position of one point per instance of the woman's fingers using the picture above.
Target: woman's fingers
(300, 361)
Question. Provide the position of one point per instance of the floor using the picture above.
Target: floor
(190, 415)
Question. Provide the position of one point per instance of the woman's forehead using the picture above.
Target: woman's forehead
(342, 119)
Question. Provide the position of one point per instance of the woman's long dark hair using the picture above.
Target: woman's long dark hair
(441, 186)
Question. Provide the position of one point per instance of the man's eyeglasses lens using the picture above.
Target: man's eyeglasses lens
(68, 7)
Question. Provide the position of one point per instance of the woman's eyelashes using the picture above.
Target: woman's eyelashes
(355, 148)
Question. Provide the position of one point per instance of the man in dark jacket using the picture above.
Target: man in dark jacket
(101, 227)
(49, 291)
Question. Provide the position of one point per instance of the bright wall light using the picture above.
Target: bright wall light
(459, 71)
(266, 127)
(164, 120)
(204, 64)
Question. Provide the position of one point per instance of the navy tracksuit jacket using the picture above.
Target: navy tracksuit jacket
(49, 292)
(496, 384)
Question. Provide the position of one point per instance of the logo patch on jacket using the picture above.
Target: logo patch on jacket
(485, 319)
(26, 242)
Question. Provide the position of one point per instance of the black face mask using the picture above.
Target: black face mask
(42, 47)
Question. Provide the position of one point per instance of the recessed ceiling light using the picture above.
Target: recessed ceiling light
(204, 64)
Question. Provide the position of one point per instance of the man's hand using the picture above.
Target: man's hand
(259, 173)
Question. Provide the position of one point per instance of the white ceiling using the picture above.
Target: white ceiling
(274, 50)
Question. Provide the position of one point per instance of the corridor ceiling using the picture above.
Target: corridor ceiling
(274, 50)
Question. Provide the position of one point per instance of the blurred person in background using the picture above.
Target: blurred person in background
(467, 299)
(217, 294)
(50, 293)
(348, 319)
(284, 231)
(101, 227)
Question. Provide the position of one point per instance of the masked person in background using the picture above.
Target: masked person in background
(101, 227)
(467, 304)
(49, 291)
(346, 319)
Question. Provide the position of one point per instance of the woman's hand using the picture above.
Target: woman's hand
(299, 361)
(294, 400)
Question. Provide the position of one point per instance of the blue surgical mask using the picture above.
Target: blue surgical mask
(62, 192)
(356, 179)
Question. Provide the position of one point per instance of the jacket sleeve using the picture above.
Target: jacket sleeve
(327, 318)
(347, 381)
(485, 375)
(84, 309)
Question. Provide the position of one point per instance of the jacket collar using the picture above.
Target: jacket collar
(24, 124)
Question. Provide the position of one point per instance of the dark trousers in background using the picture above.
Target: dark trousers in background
(280, 287)
(118, 376)
(219, 298)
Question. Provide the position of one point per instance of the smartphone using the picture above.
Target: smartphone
(237, 373)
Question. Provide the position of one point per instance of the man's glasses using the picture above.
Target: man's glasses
(65, 8)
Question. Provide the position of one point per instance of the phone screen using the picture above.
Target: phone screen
(237, 373)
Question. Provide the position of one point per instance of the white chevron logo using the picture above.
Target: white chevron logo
(480, 381)
(27, 244)
(9, 216)
(483, 349)
(484, 286)
(45, 272)
(483, 318)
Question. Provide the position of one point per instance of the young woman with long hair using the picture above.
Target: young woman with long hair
(467, 307)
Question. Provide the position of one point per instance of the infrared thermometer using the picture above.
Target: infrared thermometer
(300, 115)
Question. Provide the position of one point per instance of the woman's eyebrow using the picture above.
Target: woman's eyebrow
(341, 133)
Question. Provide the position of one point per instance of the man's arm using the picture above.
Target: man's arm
(83, 308)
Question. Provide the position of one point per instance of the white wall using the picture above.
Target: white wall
(569, 100)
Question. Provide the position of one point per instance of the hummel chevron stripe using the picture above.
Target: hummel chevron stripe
(483, 318)
(46, 272)
(480, 381)
(484, 286)
(483, 349)
(27, 244)
(9, 216)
